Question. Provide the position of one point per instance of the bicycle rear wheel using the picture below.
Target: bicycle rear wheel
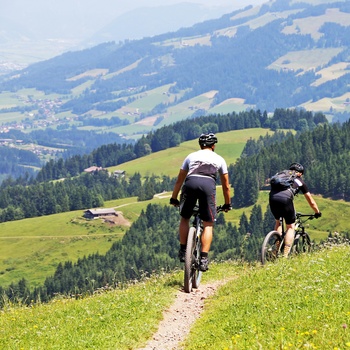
(303, 244)
(191, 274)
(271, 247)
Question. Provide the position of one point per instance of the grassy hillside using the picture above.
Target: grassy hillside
(292, 304)
(168, 162)
(32, 248)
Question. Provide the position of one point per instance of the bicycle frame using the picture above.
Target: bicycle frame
(299, 229)
(273, 244)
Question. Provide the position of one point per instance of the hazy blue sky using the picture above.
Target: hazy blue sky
(61, 25)
(46, 12)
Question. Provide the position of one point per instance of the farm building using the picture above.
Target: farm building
(97, 213)
(119, 173)
(92, 169)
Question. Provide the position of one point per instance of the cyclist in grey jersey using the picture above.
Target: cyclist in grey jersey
(197, 178)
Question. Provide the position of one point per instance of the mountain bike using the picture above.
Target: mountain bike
(192, 274)
(273, 244)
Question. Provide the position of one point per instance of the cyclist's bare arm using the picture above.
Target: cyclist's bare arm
(178, 184)
(311, 202)
(225, 188)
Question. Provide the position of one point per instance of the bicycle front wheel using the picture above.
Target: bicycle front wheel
(191, 274)
(271, 247)
(303, 244)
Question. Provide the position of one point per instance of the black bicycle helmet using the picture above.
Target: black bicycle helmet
(297, 167)
(206, 140)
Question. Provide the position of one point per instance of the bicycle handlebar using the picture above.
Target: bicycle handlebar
(309, 216)
(220, 209)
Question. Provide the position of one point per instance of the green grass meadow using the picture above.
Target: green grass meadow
(299, 303)
(168, 162)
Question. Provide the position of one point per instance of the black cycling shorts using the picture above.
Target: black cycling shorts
(282, 205)
(203, 190)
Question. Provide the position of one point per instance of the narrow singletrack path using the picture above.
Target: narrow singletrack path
(178, 319)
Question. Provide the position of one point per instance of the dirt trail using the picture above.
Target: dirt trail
(178, 319)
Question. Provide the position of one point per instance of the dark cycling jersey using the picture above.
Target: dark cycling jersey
(281, 202)
(300, 185)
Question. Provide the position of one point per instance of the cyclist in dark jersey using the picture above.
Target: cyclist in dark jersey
(282, 205)
(197, 178)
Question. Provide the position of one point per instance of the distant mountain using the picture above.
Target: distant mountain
(39, 30)
(155, 21)
(282, 54)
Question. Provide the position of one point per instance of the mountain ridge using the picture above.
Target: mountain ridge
(263, 57)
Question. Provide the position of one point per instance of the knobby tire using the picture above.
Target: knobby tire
(192, 275)
(271, 247)
(197, 274)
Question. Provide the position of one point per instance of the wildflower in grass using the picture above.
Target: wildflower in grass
(348, 344)
(234, 338)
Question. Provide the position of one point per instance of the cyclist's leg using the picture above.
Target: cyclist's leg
(278, 226)
(207, 236)
(289, 217)
(183, 230)
(277, 204)
(187, 203)
(207, 207)
(288, 239)
(206, 239)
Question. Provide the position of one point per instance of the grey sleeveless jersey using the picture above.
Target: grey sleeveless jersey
(204, 163)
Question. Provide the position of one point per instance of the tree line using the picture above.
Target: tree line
(25, 198)
(86, 191)
(172, 135)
